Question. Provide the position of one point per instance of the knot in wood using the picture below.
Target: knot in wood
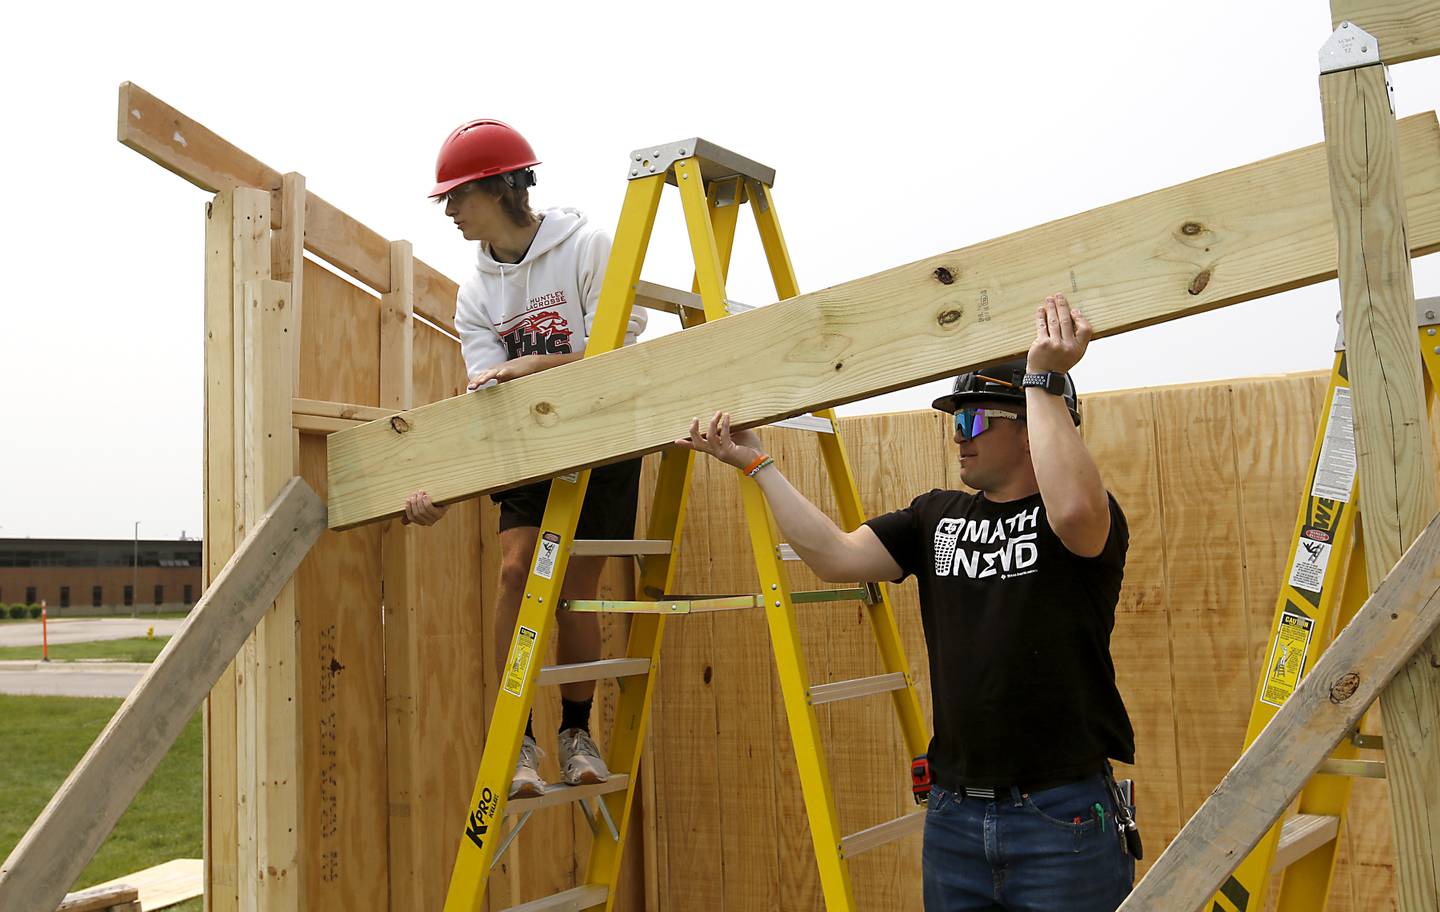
(1344, 687)
(545, 414)
(945, 276)
(709, 673)
(399, 425)
(1198, 283)
(1191, 229)
(947, 317)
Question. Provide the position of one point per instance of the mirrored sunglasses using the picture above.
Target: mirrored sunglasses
(972, 422)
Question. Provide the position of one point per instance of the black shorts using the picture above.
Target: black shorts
(610, 503)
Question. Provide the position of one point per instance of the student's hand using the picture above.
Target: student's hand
(1061, 335)
(736, 448)
(421, 511)
(510, 370)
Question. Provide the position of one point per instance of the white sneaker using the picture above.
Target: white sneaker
(580, 762)
(527, 782)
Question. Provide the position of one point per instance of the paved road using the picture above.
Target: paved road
(70, 679)
(87, 630)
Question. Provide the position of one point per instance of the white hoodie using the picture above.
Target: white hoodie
(544, 304)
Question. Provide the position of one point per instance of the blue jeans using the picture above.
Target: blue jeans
(1025, 853)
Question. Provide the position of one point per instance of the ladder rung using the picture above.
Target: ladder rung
(592, 671)
(681, 604)
(882, 833)
(672, 300)
(565, 794)
(1360, 769)
(786, 552)
(618, 547)
(572, 900)
(806, 422)
(1301, 835)
(856, 687)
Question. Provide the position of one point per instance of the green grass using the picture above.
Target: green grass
(134, 649)
(41, 740)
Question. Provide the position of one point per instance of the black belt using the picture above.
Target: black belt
(991, 793)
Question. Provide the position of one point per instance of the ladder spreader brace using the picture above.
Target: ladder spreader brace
(713, 184)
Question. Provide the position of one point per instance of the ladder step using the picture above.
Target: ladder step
(1301, 835)
(567, 794)
(618, 547)
(572, 900)
(592, 671)
(857, 687)
(881, 833)
(1360, 769)
(786, 552)
(679, 604)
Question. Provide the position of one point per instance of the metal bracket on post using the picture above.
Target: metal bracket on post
(1427, 316)
(1348, 47)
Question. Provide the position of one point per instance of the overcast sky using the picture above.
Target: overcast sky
(898, 131)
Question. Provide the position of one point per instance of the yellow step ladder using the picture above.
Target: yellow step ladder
(713, 183)
(1326, 541)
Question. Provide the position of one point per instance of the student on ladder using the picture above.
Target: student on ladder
(529, 307)
(1018, 585)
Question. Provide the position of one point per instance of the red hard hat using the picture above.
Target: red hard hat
(477, 149)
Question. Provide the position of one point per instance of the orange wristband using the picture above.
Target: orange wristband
(754, 467)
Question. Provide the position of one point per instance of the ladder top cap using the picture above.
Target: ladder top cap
(716, 162)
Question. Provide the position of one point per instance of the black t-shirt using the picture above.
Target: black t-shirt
(1018, 628)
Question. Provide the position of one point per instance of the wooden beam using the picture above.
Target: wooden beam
(63, 839)
(191, 150)
(346, 411)
(1392, 442)
(1406, 29)
(1219, 240)
(1327, 705)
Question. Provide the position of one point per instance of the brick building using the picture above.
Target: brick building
(80, 576)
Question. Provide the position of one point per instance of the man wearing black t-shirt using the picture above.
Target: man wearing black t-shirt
(1018, 585)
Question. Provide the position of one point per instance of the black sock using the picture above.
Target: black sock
(575, 714)
(530, 726)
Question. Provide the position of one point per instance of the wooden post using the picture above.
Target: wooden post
(84, 810)
(401, 592)
(236, 252)
(1392, 439)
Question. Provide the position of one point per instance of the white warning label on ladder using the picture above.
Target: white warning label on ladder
(1311, 559)
(1335, 471)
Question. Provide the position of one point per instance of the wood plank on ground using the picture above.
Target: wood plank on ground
(1215, 241)
(82, 812)
(165, 885)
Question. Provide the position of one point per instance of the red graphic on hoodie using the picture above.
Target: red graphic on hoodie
(544, 333)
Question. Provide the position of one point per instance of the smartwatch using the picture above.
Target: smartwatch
(1052, 382)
